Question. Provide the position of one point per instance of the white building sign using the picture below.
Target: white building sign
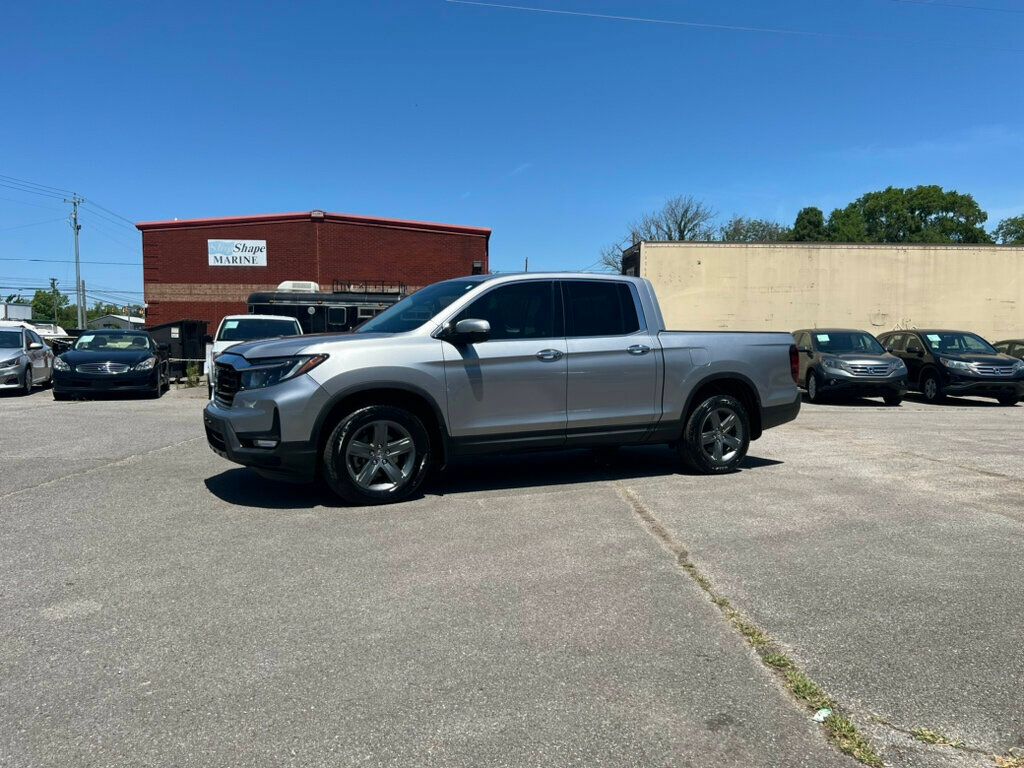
(237, 253)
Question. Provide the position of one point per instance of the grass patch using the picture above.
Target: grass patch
(1009, 761)
(934, 737)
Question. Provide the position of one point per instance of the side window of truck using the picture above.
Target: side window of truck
(599, 308)
(517, 311)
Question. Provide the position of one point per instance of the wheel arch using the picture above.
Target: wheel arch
(393, 393)
(734, 384)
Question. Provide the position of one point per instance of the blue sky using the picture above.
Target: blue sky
(553, 129)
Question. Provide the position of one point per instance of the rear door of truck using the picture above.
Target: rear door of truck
(613, 360)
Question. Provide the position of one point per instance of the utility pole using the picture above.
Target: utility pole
(76, 228)
(526, 266)
(56, 303)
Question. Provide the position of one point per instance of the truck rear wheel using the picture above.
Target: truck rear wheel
(716, 436)
(377, 455)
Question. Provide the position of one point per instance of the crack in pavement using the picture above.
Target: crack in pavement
(115, 463)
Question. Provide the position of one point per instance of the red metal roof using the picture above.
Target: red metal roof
(344, 218)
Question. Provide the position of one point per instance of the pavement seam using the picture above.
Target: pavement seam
(805, 692)
(90, 470)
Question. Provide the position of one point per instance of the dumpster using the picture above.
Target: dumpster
(186, 343)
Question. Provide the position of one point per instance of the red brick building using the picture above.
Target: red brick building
(203, 269)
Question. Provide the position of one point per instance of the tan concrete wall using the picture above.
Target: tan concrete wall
(784, 287)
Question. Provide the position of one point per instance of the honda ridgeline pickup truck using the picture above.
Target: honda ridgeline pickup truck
(496, 363)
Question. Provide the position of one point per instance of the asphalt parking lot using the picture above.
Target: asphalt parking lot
(161, 606)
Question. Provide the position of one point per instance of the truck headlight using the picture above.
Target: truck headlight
(957, 365)
(271, 371)
(60, 365)
(145, 365)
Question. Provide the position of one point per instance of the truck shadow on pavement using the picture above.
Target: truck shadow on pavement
(244, 488)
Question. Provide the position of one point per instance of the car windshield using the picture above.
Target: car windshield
(248, 329)
(847, 342)
(114, 342)
(958, 343)
(413, 311)
(10, 339)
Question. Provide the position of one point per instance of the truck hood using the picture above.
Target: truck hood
(288, 346)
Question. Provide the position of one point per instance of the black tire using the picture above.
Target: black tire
(892, 400)
(1008, 400)
(26, 386)
(813, 387)
(714, 456)
(154, 394)
(341, 461)
(931, 387)
(60, 395)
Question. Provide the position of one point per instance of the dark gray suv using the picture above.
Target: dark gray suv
(839, 361)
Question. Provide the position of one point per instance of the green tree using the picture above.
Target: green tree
(1010, 231)
(846, 225)
(740, 229)
(809, 226)
(924, 214)
(42, 307)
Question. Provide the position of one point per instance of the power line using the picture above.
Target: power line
(33, 205)
(32, 224)
(116, 215)
(34, 184)
(31, 191)
(960, 6)
(71, 261)
(731, 27)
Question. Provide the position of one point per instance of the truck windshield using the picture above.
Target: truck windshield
(248, 329)
(845, 342)
(413, 311)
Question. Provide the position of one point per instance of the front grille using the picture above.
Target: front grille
(994, 370)
(228, 382)
(107, 367)
(869, 370)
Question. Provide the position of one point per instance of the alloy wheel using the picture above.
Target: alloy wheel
(931, 388)
(381, 456)
(721, 435)
(812, 388)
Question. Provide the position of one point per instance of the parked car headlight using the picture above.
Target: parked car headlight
(8, 363)
(1018, 367)
(60, 365)
(271, 371)
(956, 365)
(897, 365)
(145, 365)
(834, 364)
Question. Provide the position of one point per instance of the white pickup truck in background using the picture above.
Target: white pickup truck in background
(235, 329)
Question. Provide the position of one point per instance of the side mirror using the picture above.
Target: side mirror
(35, 345)
(468, 331)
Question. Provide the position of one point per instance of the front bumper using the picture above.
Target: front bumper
(983, 387)
(12, 377)
(77, 383)
(284, 414)
(839, 382)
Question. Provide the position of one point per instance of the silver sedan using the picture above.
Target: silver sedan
(25, 360)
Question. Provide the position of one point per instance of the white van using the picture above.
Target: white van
(235, 329)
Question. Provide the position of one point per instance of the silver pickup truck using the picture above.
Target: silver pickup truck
(496, 363)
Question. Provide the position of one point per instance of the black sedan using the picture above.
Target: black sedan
(111, 361)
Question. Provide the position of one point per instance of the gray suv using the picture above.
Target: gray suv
(839, 361)
(496, 363)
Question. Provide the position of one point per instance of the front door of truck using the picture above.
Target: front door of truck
(512, 386)
(614, 363)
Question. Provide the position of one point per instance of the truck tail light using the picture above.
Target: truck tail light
(794, 363)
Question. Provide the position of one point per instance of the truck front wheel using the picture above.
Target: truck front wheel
(377, 455)
(716, 436)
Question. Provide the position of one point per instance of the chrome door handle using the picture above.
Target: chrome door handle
(547, 355)
(638, 349)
